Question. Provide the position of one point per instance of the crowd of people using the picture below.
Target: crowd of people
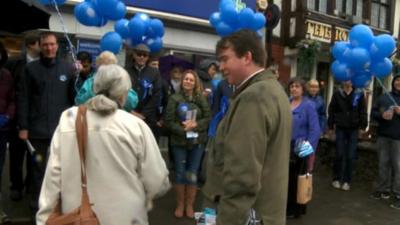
(254, 131)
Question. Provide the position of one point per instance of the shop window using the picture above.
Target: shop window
(317, 5)
(380, 13)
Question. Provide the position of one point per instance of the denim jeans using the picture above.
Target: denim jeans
(346, 152)
(187, 163)
(389, 165)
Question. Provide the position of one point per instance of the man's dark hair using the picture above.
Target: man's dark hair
(84, 56)
(46, 34)
(241, 42)
(31, 39)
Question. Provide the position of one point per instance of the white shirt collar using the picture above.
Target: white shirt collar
(30, 58)
(248, 78)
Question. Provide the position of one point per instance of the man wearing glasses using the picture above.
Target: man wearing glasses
(146, 81)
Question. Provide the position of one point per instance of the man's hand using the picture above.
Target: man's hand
(396, 109)
(23, 135)
(331, 134)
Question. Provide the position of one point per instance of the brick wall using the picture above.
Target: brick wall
(284, 70)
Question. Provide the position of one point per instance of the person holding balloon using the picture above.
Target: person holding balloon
(187, 117)
(347, 116)
(47, 89)
(386, 112)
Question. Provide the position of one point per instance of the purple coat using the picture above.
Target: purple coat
(305, 123)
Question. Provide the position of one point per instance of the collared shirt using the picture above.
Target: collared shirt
(30, 58)
(248, 78)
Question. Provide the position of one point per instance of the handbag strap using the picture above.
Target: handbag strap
(82, 136)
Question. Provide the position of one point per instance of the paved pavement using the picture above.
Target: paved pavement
(328, 207)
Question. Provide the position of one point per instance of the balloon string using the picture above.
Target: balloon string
(386, 91)
(71, 46)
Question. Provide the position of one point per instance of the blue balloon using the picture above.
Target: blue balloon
(155, 44)
(215, 18)
(137, 28)
(339, 50)
(382, 47)
(229, 15)
(86, 15)
(122, 28)
(104, 6)
(382, 68)
(156, 28)
(132, 42)
(341, 71)
(361, 36)
(117, 12)
(224, 3)
(258, 21)
(361, 79)
(246, 17)
(112, 42)
(360, 59)
(224, 29)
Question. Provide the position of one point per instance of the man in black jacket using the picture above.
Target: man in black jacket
(17, 147)
(386, 112)
(347, 115)
(47, 89)
(146, 81)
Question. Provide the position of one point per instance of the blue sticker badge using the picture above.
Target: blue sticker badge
(63, 78)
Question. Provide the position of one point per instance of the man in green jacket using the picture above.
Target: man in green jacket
(248, 163)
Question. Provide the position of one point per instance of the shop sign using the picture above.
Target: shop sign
(323, 32)
(93, 47)
(201, 9)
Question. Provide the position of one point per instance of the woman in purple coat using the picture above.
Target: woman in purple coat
(305, 127)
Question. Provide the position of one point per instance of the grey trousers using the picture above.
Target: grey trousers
(389, 165)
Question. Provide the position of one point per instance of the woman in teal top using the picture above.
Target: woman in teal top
(86, 91)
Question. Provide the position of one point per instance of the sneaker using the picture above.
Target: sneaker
(396, 204)
(346, 187)
(380, 195)
(336, 184)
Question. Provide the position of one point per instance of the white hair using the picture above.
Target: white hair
(111, 85)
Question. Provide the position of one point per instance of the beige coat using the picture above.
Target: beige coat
(249, 162)
(125, 169)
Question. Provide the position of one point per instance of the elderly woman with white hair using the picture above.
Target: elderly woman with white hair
(124, 167)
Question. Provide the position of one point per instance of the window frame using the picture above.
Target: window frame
(381, 4)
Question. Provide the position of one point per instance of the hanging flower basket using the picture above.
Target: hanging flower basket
(308, 52)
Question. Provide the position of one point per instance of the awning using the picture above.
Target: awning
(29, 16)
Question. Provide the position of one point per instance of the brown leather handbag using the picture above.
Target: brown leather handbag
(83, 215)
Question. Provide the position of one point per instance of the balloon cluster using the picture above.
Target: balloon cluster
(98, 12)
(363, 57)
(141, 29)
(229, 19)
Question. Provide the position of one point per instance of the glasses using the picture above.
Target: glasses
(142, 54)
